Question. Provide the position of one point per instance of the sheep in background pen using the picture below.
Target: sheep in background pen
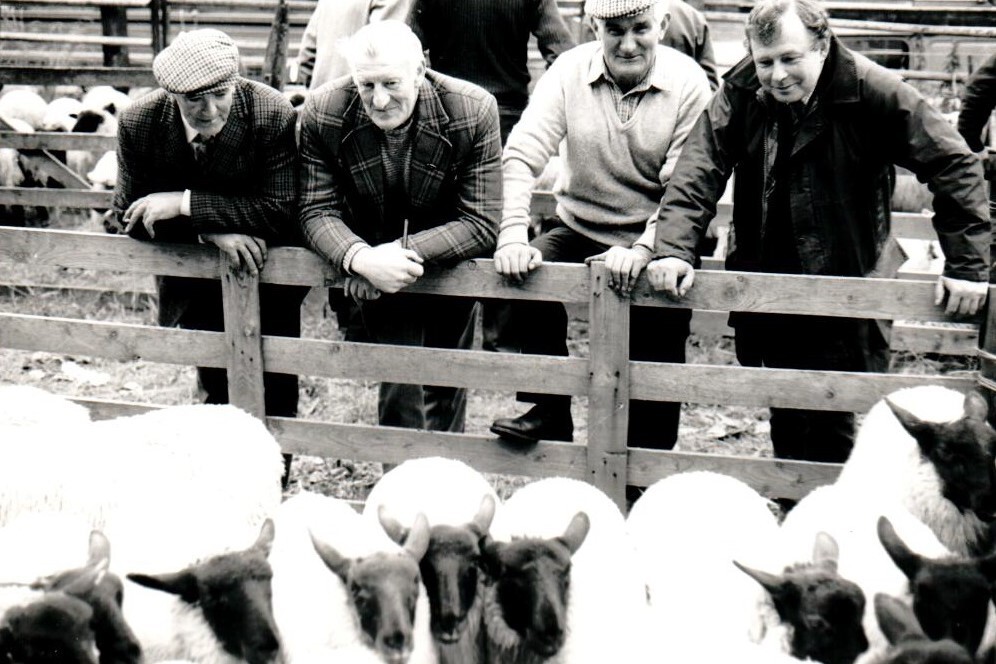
(930, 449)
(565, 587)
(343, 591)
(459, 504)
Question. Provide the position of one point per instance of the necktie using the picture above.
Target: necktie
(200, 145)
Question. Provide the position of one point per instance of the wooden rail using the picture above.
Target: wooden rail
(607, 377)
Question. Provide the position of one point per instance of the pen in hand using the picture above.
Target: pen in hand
(404, 235)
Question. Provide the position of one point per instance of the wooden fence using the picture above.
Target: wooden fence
(606, 376)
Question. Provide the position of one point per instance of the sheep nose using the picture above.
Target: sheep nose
(449, 627)
(395, 640)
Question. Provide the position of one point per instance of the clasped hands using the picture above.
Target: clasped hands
(386, 268)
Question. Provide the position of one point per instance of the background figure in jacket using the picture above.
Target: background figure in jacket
(812, 131)
(619, 110)
(977, 105)
(319, 60)
(211, 157)
(398, 144)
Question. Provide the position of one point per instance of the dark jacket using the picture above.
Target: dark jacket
(863, 120)
(688, 33)
(454, 186)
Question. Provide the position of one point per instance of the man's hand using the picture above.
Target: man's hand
(359, 288)
(964, 297)
(387, 267)
(245, 249)
(671, 275)
(152, 208)
(624, 265)
(515, 261)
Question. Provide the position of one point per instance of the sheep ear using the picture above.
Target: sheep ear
(906, 560)
(914, 425)
(576, 531)
(773, 583)
(391, 526)
(417, 542)
(264, 542)
(485, 515)
(182, 584)
(491, 557)
(895, 619)
(339, 564)
(976, 407)
(99, 550)
(826, 553)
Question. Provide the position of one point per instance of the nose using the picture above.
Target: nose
(628, 43)
(778, 72)
(395, 640)
(380, 97)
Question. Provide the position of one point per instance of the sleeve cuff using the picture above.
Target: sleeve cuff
(185, 203)
(347, 259)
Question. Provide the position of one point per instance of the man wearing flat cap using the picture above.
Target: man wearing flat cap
(619, 109)
(400, 169)
(211, 157)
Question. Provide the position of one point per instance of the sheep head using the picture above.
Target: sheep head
(233, 590)
(54, 628)
(961, 452)
(950, 596)
(104, 594)
(532, 577)
(384, 589)
(450, 568)
(909, 643)
(823, 609)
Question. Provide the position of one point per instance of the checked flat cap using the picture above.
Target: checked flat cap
(198, 61)
(616, 8)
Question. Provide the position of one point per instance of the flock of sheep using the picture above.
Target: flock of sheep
(163, 537)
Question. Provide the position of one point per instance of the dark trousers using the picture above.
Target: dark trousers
(816, 343)
(656, 335)
(201, 309)
(430, 321)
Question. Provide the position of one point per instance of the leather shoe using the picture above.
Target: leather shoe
(538, 423)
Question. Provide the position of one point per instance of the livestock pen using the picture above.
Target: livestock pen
(606, 376)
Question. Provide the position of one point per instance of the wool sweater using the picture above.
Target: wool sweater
(613, 174)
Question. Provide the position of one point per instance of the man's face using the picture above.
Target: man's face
(630, 45)
(207, 113)
(789, 67)
(388, 89)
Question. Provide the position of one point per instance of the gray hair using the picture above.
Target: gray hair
(383, 39)
(762, 22)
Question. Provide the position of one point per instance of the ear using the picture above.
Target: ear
(264, 542)
(896, 620)
(976, 407)
(906, 560)
(182, 584)
(485, 515)
(914, 425)
(576, 531)
(491, 557)
(99, 551)
(391, 526)
(773, 583)
(339, 564)
(826, 553)
(417, 542)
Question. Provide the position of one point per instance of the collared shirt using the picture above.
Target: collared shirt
(625, 102)
(190, 134)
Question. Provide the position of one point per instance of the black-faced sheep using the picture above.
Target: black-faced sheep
(908, 643)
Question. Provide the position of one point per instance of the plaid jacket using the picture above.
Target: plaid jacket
(454, 183)
(249, 184)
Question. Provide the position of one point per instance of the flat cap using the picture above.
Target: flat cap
(616, 8)
(198, 61)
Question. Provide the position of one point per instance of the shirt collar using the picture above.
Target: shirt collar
(656, 78)
(189, 131)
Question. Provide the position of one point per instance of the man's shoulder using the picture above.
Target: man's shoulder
(146, 109)
(459, 97)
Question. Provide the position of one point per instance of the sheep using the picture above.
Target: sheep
(931, 449)
(106, 98)
(61, 114)
(23, 104)
(55, 628)
(686, 530)
(343, 591)
(559, 557)
(909, 643)
(459, 505)
(216, 610)
(25, 405)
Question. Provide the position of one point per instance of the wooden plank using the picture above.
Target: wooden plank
(57, 140)
(787, 388)
(81, 198)
(46, 164)
(82, 3)
(608, 393)
(986, 375)
(240, 302)
(56, 75)
(913, 226)
(769, 477)
(103, 409)
(61, 38)
(114, 341)
(426, 366)
(951, 339)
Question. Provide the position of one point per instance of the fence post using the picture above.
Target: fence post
(987, 354)
(275, 60)
(608, 390)
(240, 294)
(114, 23)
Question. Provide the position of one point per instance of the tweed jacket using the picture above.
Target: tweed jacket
(248, 186)
(861, 121)
(454, 182)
